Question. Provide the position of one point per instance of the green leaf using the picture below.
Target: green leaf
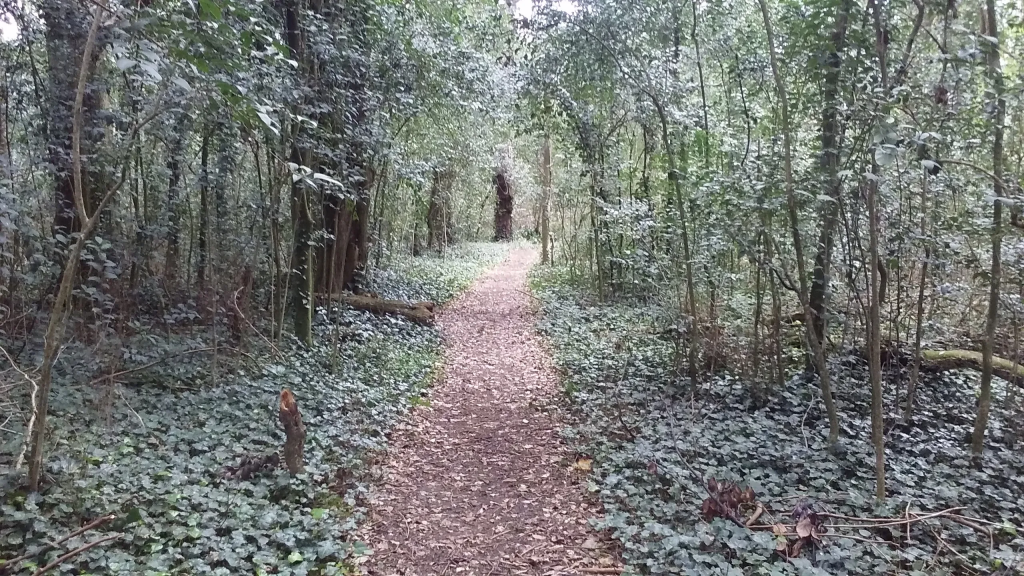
(318, 513)
(885, 155)
(268, 122)
(209, 10)
(295, 557)
(134, 515)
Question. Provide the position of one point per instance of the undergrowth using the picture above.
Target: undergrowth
(654, 438)
(437, 276)
(154, 449)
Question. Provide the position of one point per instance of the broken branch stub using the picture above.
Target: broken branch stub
(294, 431)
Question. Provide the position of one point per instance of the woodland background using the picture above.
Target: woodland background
(804, 215)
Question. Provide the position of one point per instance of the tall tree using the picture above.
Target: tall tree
(545, 202)
(990, 30)
(816, 345)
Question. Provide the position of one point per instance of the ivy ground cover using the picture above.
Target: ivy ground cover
(160, 456)
(655, 440)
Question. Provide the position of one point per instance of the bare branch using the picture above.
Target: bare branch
(74, 553)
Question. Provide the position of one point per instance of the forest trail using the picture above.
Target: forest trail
(479, 483)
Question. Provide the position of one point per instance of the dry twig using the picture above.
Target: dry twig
(74, 553)
(8, 564)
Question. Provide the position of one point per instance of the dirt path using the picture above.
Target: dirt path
(479, 483)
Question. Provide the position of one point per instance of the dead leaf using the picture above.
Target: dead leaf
(805, 527)
(583, 464)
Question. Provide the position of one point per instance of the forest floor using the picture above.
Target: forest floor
(480, 482)
(656, 440)
(155, 453)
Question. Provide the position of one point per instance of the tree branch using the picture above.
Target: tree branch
(74, 553)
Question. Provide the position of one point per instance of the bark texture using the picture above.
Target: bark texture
(418, 312)
(502, 208)
(294, 432)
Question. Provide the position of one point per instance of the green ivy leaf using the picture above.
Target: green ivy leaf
(210, 11)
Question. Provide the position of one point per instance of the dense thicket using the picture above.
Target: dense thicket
(852, 166)
(744, 192)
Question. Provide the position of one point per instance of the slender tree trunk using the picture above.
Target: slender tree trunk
(278, 295)
(337, 215)
(203, 248)
(302, 259)
(780, 356)
(6, 165)
(830, 158)
(995, 73)
(677, 188)
(301, 268)
(816, 345)
(876, 285)
(67, 26)
(705, 149)
(874, 344)
(545, 201)
(355, 260)
(915, 368)
(36, 429)
(755, 376)
(176, 157)
(439, 215)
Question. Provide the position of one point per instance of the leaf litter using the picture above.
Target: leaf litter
(479, 482)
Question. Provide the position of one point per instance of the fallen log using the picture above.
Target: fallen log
(952, 359)
(418, 312)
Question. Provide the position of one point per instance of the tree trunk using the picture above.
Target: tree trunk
(302, 258)
(830, 158)
(1007, 369)
(337, 223)
(915, 368)
(67, 27)
(816, 345)
(876, 283)
(545, 200)
(995, 73)
(203, 242)
(755, 369)
(874, 343)
(54, 336)
(503, 208)
(6, 163)
(279, 275)
(302, 224)
(706, 147)
(294, 432)
(418, 312)
(677, 188)
(356, 257)
(439, 212)
(175, 160)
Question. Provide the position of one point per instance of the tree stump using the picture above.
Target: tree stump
(294, 432)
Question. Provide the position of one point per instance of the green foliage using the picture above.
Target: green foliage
(437, 277)
(158, 459)
(648, 430)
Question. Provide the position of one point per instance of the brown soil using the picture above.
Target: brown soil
(479, 483)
